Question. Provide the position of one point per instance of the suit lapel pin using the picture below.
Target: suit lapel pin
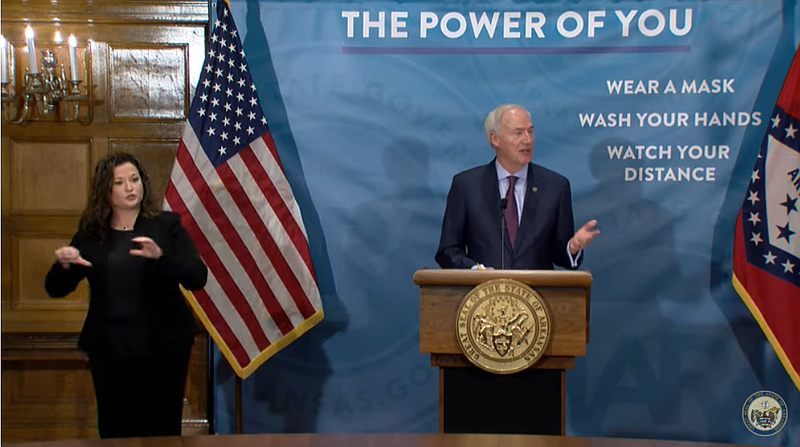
(534, 189)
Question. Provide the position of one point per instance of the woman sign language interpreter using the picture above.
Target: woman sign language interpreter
(139, 329)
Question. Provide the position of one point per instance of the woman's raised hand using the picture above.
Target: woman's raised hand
(70, 255)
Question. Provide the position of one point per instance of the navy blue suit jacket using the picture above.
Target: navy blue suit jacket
(472, 229)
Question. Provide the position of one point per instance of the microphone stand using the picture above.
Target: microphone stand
(503, 205)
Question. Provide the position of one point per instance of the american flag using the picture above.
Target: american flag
(228, 185)
(766, 249)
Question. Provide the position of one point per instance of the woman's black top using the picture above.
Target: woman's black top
(136, 307)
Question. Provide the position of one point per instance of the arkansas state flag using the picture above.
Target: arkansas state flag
(766, 248)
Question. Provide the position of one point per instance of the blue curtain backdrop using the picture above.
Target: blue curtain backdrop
(373, 121)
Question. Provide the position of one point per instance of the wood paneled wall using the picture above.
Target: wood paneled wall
(142, 59)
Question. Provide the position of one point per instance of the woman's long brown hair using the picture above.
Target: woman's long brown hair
(96, 218)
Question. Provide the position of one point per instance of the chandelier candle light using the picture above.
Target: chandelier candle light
(44, 88)
(3, 61)
(32, 65)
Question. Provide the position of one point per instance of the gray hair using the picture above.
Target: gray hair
(495, 116)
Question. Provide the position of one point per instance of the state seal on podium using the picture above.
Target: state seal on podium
(503, 326)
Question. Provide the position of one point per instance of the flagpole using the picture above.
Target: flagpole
(238, 403)
(210, 389)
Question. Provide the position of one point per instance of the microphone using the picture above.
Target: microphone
(503, 205)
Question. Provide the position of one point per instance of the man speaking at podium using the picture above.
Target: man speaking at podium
(511, 213)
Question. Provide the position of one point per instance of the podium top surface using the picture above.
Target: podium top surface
(369, 440)
(533, 278)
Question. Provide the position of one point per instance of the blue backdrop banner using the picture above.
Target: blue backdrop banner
(654, 110)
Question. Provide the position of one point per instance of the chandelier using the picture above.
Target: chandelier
(45, 91)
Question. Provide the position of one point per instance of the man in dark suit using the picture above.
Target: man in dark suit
(511, 213)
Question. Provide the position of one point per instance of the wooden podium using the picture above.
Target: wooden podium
(531, 401)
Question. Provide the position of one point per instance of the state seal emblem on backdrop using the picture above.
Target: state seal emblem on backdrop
(764, 413)
(503, 326)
